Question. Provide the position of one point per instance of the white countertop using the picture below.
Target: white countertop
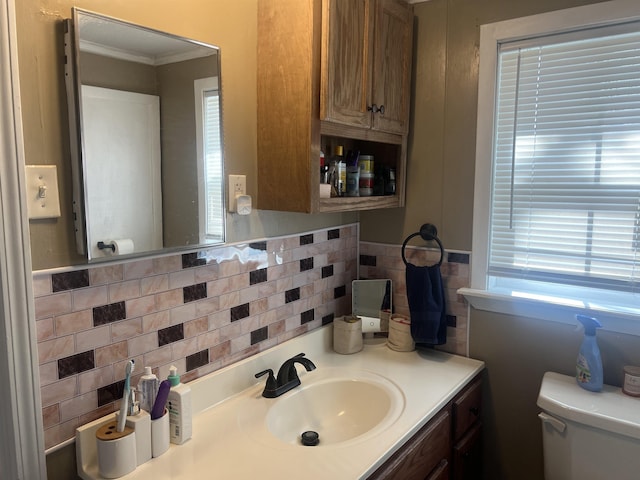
(221, 448)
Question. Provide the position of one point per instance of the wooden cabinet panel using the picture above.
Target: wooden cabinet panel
(467, 455)
(441, 472)
(420, 456)
(346, 63)
(466, 408)
(392, 66)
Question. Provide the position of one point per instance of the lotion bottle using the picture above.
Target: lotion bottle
(179, 406)
(589, 363)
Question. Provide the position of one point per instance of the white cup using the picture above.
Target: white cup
(116, 456)
(160, 435)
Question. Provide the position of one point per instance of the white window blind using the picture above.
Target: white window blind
(565, 205)
(213, 166)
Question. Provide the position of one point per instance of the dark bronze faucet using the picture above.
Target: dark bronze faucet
(287, 376)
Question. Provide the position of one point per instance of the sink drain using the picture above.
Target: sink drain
(310, 438)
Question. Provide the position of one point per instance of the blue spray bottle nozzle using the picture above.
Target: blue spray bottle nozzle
(590, 324)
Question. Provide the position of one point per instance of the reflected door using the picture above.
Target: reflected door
(121, 141)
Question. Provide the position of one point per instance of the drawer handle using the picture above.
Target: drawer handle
(375, 109)
(475, 411)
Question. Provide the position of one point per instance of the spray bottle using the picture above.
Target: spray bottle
(589, 362)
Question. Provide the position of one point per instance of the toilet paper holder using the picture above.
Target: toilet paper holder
(103, 246)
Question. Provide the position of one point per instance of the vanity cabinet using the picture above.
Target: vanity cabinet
(448, 447)
(322, 65)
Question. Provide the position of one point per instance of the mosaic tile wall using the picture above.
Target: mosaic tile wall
(385, 261)
(199, 311)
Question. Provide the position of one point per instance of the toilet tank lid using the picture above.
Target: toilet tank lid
(609, 410)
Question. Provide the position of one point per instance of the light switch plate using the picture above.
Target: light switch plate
(42, 191)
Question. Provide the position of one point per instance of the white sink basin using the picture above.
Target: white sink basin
(340, 406)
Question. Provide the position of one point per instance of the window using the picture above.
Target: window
(557, 202)
(210, 160)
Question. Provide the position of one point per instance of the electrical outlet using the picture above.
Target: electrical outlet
(237, 186)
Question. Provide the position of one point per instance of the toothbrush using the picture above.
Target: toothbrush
(122, 418)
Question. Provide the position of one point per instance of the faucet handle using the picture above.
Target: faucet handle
(271, 385)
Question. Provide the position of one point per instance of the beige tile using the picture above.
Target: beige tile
(229, 268)
(184, 348)
(231, 331)
(207, 273)
(42, 285)
(97, 413)
(50, 305)
(59, 391)
(239, 344)
(277, 328)
(55, 349)
(249, 294)
(168, 264)
(44, 329)
(220, 351)
(218, 287)
(48, 373)
(207, 306)
(229, 300)
(79, 405)
(156, 321)
(259, 306)
(108, 274)
(238, 282)
(183, 313)
(169, 299)
(60, 433)
(219, 319)
(89, 297)
(160, 356)
(137, 307)
(154, 284)
(126, 329)
(90, 339)
(143, 343)
(196, 327)
(124, 291)
(92, 380)
(208, 339)
(51, 415)
(73, 322)
(111, 353)
(182, 278)
(138, 269)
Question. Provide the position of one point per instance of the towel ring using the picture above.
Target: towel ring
(428, 232)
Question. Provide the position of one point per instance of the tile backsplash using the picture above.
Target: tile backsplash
(199, 311)
(385, 261)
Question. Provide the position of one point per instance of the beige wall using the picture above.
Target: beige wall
(229, 24)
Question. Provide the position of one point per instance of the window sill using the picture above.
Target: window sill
(613, 318)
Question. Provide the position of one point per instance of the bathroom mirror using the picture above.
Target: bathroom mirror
(146, 137)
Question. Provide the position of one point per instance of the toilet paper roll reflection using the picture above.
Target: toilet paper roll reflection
(123, 246)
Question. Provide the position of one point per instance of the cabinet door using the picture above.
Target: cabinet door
(426, 453)
(391, 80)
(467, 455)
(346, 61)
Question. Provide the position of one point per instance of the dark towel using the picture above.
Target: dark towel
(425, 294)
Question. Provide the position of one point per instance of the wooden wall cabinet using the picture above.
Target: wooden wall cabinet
(322, 65)
(448, 447)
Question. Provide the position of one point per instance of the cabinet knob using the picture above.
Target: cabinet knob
(375, 109)
(475, 411)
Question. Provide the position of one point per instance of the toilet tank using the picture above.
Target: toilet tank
(587, 435)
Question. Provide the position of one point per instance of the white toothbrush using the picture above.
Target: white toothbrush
(122, 418)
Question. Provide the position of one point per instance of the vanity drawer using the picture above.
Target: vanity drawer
(466, 408)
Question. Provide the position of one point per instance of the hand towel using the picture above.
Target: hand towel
(425, 294)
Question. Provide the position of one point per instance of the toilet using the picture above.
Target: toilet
(587, 435)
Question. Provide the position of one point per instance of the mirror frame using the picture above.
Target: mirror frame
(78, 158)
